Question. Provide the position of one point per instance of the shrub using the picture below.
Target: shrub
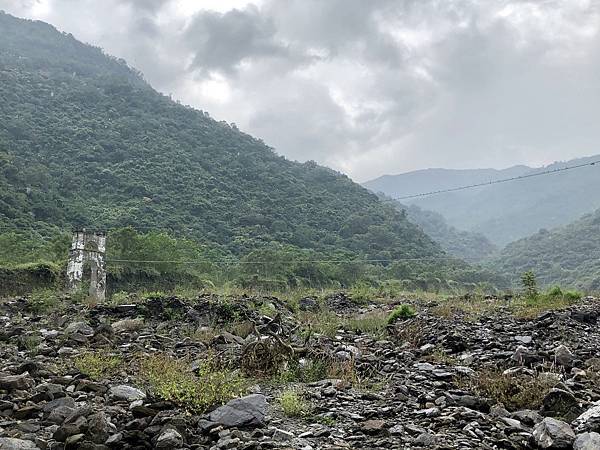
(410, 332)
(361, 293)
(120, 298)
(97, 365)
(293, 404)
(29, 342)
(401, 312)
(573, 295)
(555, 291)
(529, 283)
(515, 391)
(44, 300)
(173, 380)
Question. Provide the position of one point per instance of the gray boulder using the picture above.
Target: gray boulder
(563, 356)
(587, 441)
(80, 328)
(553, 434)
(17, 444)
(560, 403)
(589, 420)
(247, 411)
(21, 382)
(127, 393)
(169, 439)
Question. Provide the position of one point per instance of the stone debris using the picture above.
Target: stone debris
(426, 382)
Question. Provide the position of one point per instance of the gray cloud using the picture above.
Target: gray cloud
(223, 41)
(368, 87)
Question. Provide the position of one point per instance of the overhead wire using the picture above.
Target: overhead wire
(503, 180)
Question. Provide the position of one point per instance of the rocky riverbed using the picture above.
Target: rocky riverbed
(442, 378)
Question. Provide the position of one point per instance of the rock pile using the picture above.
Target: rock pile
(438, 380)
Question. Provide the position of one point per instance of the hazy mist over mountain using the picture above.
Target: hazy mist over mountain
(503, 212)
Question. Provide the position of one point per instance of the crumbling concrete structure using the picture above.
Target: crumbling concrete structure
(88, 255)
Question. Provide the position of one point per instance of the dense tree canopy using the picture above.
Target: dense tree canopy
(85, 141)
(568, 256)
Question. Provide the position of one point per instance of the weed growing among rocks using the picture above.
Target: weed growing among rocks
(173, 380)
(293, 403)
(401, 312)
(98, 365)
(514, 391)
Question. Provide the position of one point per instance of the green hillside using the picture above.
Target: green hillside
(85, 141)
(568, 256)
(466, 245)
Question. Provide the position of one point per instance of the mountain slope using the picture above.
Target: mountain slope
(466, 245)
(85, 141)
(568, 255)
(502, 212)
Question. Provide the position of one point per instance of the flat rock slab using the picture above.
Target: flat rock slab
(247, 411)
(128, 393)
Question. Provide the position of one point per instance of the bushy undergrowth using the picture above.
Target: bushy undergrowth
(173, 380)
(514, 391)
(401, 312)
(98, 365)
(293, 403)
(44, 300)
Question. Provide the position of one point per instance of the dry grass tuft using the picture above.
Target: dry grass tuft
(515, 391)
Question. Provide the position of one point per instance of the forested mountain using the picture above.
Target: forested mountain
(502, 212)
(466, 245)
(85, 141)
(568, 255)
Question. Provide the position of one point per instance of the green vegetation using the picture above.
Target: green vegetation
(85, 141)
(328, 323)
(568, 256)
(401, 312)
(533, 305)
(44, 300)
(25, 278)
(529, 283)
(173, 380)
(293, 403)
(466, 245)
(472, 307)
(98, 365)
(514, 391)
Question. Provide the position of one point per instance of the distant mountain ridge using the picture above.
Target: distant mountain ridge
(502, 212)
(428, 180)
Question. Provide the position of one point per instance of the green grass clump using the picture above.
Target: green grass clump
(44, 300)
(98, 365)
(401, 312)
(328, 323)
(293, 404)
(173, 380)
(555, 298)
(373, 323)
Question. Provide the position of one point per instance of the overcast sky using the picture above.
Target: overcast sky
(367, 86)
